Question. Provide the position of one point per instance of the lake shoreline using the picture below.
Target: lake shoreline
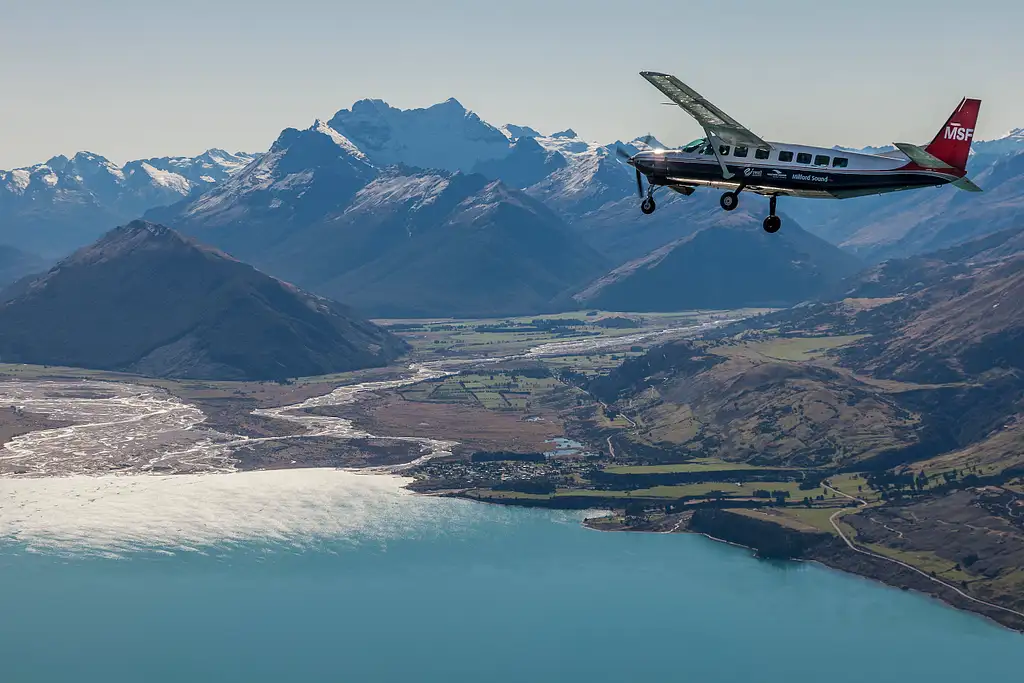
(835, 555)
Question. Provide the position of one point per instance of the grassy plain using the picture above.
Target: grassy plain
(710, 465)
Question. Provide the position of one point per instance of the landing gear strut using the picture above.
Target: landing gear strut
(772, 223)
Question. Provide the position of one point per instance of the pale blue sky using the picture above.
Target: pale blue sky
(134, 78)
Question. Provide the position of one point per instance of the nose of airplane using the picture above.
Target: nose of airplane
(643, 161)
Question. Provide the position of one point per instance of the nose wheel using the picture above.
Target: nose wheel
(648, 206)
(772, 223)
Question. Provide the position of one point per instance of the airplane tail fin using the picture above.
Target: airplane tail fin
(952, 144)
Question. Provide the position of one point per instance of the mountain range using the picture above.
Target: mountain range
(436, 212)
(390, 240)
(55, 207)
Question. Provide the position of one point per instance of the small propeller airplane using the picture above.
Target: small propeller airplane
(732, 158)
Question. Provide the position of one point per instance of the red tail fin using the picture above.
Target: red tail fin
(952, 144)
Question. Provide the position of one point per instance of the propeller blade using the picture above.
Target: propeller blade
(639, 184)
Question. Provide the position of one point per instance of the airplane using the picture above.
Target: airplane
(732, 158)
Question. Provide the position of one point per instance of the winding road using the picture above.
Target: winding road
(863, 503)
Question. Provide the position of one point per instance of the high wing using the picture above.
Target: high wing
(715, 121)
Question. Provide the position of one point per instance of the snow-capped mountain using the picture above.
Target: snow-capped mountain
(209, 168)
(445, 136)
(514, 132)
(593, 176)
(57, 206)
(1011, 143)
(390, 240)
(306, 174)
(526, 164)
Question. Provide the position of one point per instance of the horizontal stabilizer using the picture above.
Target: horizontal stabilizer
(966, 185)
(921, 157)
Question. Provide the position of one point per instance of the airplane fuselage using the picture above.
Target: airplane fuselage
(788, 170)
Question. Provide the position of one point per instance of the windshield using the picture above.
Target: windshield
(695, 145)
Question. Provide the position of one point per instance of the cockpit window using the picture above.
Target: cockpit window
(695, 145)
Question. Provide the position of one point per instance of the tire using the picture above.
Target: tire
(648, 206)
(729, 201)
(772, 224)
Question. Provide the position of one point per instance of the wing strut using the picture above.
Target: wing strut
(713, 140)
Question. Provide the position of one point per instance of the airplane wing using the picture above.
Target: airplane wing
(714, 120)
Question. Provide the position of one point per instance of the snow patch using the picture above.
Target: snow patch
(171, 181)
(339, 139)
(18, 180)
(419, 191)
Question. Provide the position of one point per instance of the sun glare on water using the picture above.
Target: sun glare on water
(113, 515)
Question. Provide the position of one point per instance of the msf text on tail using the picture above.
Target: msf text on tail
(732, 158)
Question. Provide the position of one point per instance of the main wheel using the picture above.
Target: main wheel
(648, 206)
(729, 201)
(772, 224)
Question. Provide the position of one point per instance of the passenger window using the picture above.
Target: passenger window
(803, 158)
(724, 150)
(740, 152)
(840, 162)
(762, 153)
(785, 157)
(821, 160)
(709, 149)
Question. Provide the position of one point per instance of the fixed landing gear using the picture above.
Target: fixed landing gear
(730, 200)
(647, 205)
(772, 223)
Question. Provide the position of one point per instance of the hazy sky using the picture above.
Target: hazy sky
(135, 78)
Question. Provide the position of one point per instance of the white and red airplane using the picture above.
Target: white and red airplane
(732, 158)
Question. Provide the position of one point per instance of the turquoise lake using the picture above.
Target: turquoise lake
(352, 579)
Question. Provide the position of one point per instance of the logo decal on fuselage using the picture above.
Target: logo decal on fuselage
(776, 174)
(752, 172)
(956, 131)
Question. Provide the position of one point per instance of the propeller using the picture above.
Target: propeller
(639, 176)
(646, 141)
